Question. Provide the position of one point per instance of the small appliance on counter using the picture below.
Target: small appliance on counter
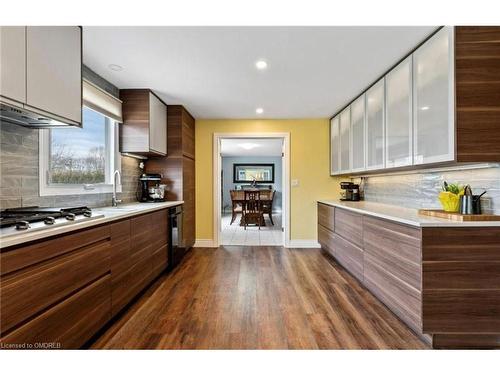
(151, 189)
(349, 192)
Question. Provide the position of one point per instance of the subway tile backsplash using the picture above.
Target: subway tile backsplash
(19, 174)
(420, 190)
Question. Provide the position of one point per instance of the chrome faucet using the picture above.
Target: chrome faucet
(114, 201)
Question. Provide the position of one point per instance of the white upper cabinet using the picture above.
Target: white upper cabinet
(334, 145)
(13, 62)
(358, 134)
(375, 104)
(157, 125)
(345, 140)
(54, 70)
(398, 120)
(433, 99)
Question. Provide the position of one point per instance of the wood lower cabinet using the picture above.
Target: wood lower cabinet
(443, 282)
(61, 291)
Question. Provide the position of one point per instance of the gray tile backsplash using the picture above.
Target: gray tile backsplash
(420, 190)
(19, 174)
(19, 166)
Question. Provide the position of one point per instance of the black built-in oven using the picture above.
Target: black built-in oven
(175, 249)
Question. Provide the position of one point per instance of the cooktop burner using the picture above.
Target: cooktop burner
(23, 216)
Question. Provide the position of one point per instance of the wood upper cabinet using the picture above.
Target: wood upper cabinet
(144, 128)
(41, 69)
(13, 62)
(433, 99)
(335, 145)
(399, 121)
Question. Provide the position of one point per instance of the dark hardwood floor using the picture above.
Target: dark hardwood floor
(238, 297)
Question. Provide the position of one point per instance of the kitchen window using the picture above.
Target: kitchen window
(79, 161)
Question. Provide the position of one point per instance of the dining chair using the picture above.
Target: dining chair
(237, 199)
(267, 204)
(252, 210)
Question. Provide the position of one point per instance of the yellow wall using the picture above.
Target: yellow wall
(309, 163)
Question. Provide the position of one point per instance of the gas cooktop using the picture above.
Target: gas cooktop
(15, 220)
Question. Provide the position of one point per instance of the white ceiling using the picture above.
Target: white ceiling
(251, 147)
(312, 71)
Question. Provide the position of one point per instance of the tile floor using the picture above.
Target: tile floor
(237, 235)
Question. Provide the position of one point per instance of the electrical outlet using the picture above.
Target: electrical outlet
(295, 183)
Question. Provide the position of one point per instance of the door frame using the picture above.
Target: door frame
(217, 167)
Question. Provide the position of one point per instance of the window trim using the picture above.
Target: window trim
(69, 189)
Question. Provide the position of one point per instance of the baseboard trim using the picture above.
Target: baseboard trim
(304, 244)
(296, 244)
(204, 243)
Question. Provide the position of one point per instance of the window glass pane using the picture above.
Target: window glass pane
(78, 156)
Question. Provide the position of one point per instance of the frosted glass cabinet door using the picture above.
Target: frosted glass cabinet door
(334, 145)
(398, 120)
(345, 140)
(375, 126)
(358, 134)
(433, 103)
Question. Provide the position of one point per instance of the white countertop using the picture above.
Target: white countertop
(404, 215)
(105, 215)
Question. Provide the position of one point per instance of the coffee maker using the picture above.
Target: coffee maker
(151, 190)
(349, 192)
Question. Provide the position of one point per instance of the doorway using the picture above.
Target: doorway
(251, 161)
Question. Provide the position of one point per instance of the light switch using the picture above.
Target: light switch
(295, 183)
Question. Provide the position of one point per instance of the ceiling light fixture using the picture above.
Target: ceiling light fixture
(248, 146)
(115, 67)
(259, 111)
(425, 108)
(261, 64)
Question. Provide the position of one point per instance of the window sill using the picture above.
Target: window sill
(46, 191)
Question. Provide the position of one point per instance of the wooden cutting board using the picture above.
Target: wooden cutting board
(456, 216)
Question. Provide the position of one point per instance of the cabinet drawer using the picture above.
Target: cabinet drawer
(326, 239)
(159, 229)
(28, 292)
(14, 259)
(400, 297)
(350, 226)
(349, 255)
(326, 216)
(394, 247)
(72, 322)
(160, 260)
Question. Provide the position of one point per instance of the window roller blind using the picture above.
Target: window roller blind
(99, 100)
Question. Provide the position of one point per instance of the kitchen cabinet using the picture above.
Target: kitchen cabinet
(345, 140)
(375, 104)
(357, 148)
(399, 120)
(66, 288)
(443, 282)
(335, 145)
(433, 99)
(144, 128)
(41, 70)
(178, 168)
(13, 62)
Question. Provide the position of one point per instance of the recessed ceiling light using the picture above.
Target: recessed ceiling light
(115, 67)
(261, 64)
(248, 146)
(259, 111)
(425, 108)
